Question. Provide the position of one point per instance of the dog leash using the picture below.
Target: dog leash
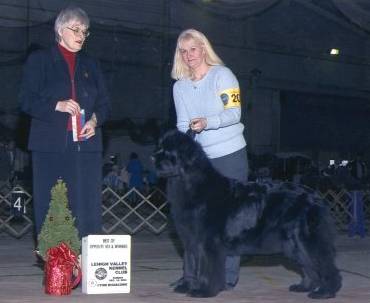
(191, 133)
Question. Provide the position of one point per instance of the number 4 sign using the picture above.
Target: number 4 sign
(19, 201)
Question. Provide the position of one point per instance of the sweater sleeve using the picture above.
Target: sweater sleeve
(183, 119)
(227, 92)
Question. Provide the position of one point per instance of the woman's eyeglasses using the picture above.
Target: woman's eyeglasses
(78, 32)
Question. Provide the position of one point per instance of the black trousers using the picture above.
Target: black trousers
(82, 173)
(234, 166)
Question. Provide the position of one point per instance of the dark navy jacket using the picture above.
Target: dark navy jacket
(46, 81)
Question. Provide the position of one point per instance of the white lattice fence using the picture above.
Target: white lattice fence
(134, 211)
(367, 209)
(343, 208)
(339, 203)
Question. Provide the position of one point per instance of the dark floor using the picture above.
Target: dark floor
(156, 263)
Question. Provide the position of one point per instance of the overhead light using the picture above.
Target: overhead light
(334, 52)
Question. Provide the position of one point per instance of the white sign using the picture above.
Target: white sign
(106, 264)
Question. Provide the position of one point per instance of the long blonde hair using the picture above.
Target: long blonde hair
(179, 69)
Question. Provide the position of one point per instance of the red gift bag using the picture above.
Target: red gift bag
(61, 264)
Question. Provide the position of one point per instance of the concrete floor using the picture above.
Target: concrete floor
(156, 263)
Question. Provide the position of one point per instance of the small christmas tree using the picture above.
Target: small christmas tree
(59, 224)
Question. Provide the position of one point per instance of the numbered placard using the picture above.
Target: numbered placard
(19, 200)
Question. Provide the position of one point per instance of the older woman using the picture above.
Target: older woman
(58, 85)
(207, 101)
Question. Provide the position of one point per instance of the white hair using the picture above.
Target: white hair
(67, 15)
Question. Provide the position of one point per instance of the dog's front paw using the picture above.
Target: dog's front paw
(177, 282)
(181, 288)
(299, 288)
(321, 293)
(201, 293)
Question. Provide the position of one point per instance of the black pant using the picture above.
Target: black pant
(233, 166)
(82, 173)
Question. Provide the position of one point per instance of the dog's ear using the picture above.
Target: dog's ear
(191, 133)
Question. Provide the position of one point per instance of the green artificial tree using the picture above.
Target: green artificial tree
(59, 224)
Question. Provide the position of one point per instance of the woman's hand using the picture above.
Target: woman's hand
(68, 106)
(89, 129)
(198, 124)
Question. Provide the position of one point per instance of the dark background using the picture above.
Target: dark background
(296, 96)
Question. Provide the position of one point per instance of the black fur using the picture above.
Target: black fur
(215, 217)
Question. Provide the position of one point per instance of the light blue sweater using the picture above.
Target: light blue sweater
(201, 99)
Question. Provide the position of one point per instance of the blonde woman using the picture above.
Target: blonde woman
(207, 101)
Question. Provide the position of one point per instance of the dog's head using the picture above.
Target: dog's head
(176, 152)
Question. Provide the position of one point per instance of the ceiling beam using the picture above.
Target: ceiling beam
(341, 21)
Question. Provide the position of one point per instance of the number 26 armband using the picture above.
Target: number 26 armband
(230, 98)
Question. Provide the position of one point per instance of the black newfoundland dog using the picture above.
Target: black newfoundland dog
(215, 216)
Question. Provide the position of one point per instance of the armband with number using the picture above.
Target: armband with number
(230, 98)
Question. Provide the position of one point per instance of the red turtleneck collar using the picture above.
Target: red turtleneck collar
(70, 58)
(66, 53)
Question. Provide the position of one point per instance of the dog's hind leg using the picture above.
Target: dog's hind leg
(330, 280)
(291, 250)
(319, 236)
(315, 253)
